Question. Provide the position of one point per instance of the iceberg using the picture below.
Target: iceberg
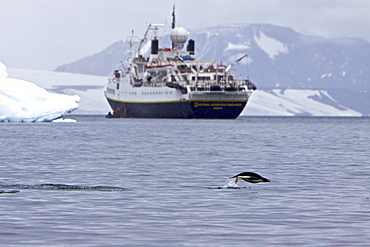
(23, 101)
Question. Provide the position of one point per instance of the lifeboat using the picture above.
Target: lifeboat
(157, 68)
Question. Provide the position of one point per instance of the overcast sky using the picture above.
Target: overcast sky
(42, 34)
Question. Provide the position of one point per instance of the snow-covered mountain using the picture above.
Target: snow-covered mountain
(279, 58)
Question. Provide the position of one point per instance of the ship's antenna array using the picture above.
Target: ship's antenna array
(173, 17)
(173, 22)
(132, 40)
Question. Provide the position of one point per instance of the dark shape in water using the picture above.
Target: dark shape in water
(61, 187)
(8, 191)
(250, 177)
(78, 187)
(229, 188)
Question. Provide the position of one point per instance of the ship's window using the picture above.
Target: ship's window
(140, 68)
(110, 91)
(202, 78)
(117, 86)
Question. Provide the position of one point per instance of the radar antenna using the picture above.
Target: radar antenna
(173, 22)
(173, 17)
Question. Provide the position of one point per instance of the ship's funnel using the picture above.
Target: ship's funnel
(179, 36)
(154, 46)
(191, 46)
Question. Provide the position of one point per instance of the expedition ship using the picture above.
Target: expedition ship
(172, 83)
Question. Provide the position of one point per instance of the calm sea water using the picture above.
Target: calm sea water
(135, 182)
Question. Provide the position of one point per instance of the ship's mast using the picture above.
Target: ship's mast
(235, 63)
(173, 22)
(132, 40)
(173, 17)
(143, 39)
(151, 27)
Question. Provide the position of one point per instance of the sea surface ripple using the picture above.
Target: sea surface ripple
(150, 182)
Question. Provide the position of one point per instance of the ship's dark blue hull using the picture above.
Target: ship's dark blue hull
(227, 109)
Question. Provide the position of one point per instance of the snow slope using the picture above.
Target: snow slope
(293, 102)
(290, 102)
(269, 45)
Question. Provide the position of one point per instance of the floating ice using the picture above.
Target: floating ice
(23, 101)
(3, 73)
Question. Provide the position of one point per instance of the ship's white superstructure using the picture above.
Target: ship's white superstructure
(171, 83)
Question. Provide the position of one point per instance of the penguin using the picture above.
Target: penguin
(250, 177)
